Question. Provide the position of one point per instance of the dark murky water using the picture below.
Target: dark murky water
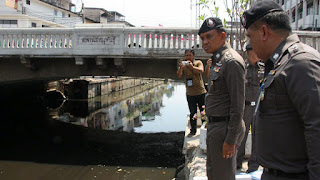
(131, 134)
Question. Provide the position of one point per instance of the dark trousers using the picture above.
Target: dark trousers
(193, 103)
(252, 163)
(270, 176)
(218, 168)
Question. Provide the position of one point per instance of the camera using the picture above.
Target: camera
(184, 63)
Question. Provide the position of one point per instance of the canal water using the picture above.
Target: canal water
(135, 133)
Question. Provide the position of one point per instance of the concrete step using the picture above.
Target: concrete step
(196, 157)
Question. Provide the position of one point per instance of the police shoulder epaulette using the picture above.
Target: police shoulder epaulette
(228, 56)
(293, 49)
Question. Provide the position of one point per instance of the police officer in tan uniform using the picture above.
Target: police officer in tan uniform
(287, 127)
(254, 75)
(224, 101)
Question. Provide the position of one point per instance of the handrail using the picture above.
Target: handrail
(111, 41)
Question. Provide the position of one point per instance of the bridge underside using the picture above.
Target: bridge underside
(19, 68)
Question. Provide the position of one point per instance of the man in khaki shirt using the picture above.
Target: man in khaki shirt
(224, 101)
(192, 70)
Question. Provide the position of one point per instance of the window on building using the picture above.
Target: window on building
(282, 2)
(63, 15)
(33, 24)
(28, 2)
(69, 15)
(55, 12)
(300, 12)
(8, 23)
(300, 15)
(293, 12)
(310, 9)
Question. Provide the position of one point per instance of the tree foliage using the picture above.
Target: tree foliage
(234, 9)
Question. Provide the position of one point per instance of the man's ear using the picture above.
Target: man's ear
(265, 32)
(223, 35)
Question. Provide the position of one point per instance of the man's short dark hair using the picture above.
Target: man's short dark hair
(189, 50)
(221, 30)
(278, 20)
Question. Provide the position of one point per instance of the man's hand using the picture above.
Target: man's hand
(209, 63)
(190, 65)
(207, 71)
(228, 150)
(180, 64)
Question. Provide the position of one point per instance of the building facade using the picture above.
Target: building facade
(97, 15)
(304, 14)
(38, 13)
(102, 16)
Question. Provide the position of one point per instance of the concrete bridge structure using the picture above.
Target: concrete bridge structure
(47, 54)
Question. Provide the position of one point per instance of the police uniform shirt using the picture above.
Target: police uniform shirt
(225, 96)
(288, 122)
(254, 74)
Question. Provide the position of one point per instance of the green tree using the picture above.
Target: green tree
(234, 9)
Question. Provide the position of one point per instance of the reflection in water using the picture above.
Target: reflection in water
(122, 110)
(99, 133)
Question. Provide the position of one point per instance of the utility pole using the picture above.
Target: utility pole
(297, 14)
(82, 12)
(197, 7)
(191, 12)
(313, 14)
(197, 13)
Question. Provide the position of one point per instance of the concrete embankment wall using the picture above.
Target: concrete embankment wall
(88, 87)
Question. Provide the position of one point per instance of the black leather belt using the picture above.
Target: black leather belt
(213, 119)
(280, 173)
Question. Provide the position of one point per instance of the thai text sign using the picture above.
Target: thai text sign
(97, 40)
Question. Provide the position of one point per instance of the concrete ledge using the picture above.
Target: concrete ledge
(196, 158)
(195, 165)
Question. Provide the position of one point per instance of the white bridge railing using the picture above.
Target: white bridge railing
(112, 42)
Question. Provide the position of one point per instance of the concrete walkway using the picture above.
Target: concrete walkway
(195, 165)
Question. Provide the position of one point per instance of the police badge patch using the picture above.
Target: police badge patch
(244, 20)
(216, 68)
(210, 23)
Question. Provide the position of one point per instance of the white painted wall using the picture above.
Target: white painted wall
(40, 13)
(47, 12)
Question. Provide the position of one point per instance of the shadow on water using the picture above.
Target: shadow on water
(29, 133)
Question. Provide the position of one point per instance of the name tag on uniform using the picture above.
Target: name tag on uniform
(189, 82)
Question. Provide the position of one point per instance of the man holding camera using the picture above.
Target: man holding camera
(192, 70)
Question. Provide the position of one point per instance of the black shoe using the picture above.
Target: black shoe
(250, 171)
(191, 134)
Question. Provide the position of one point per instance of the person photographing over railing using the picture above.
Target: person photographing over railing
(195, 91)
